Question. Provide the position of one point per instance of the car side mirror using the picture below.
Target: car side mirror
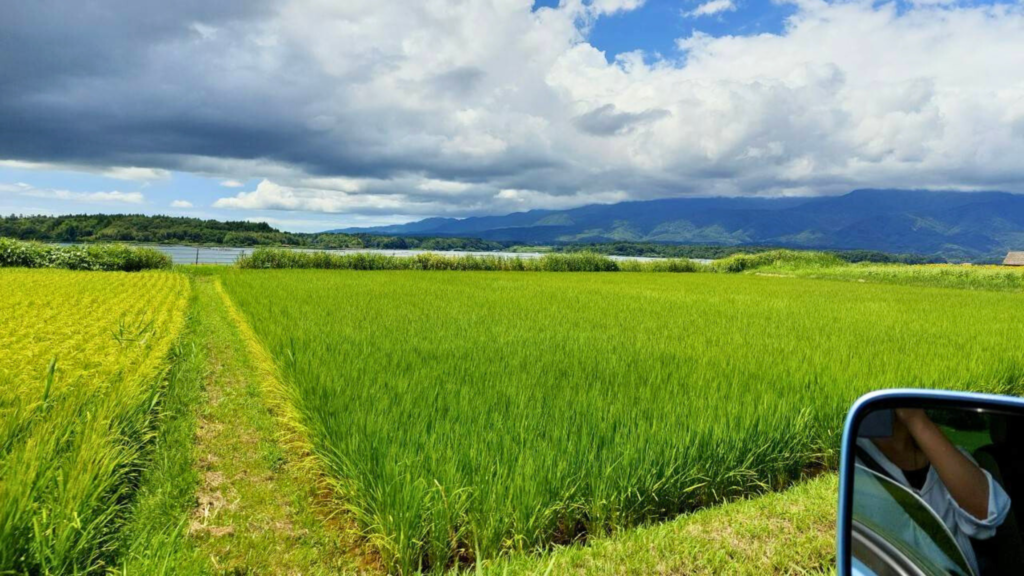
(932, 483)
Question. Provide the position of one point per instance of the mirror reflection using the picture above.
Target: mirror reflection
(938, 491)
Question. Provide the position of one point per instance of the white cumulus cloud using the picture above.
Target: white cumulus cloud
(614, 6)
(269, 195)
(181, 204)
(133, 173)
(711, 8)
(517, 200)
(136, 173)
(414, 108)
(931, 97)
(113, 196)
(24, 189)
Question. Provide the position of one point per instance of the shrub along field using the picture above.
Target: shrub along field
(82, 358)
(463, 415)
(269, 258)
(106, 257)
(276, 258)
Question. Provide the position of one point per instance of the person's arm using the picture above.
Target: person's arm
(964, 480)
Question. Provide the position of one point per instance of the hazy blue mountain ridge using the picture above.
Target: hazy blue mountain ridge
(959, 225)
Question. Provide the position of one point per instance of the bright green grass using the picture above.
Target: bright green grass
(791, 532)
(467, 414)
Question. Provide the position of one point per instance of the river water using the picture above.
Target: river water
(219, 255)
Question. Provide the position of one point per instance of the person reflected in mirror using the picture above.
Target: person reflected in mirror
(918, 455)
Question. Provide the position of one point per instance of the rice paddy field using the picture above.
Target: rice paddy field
(465, 415)
(82, 358)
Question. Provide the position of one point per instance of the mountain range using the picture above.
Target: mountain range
(955, 225)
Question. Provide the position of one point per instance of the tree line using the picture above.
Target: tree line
(91, 228)
(138, 228)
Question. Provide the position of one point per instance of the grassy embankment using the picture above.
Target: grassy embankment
(257, 486)
(791, 532)
(469, 415)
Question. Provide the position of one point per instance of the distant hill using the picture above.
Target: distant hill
(133, 228)
(955, 225)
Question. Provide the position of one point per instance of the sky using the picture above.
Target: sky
(322, 114)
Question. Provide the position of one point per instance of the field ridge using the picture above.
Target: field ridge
(245, 382)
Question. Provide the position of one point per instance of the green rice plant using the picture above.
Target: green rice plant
(72, 436)
(106, 257)
(465, 416)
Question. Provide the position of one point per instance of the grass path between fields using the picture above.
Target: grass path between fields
(256, 506)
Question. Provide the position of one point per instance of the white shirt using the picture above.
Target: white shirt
(962, 524)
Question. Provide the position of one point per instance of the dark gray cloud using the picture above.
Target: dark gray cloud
(45, 42)
(608, 121)
(115, 81)
(141, 83)
(459, 82)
